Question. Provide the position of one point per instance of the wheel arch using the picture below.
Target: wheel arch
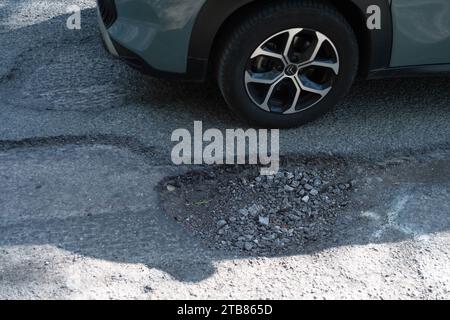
(216, 16)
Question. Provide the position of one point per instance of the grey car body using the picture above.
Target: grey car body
(421, 32)
(160, 32)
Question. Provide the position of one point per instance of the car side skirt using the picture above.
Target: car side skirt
(411, 71)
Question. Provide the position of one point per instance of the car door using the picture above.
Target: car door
(421, 32)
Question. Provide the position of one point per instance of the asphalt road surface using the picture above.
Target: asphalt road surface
(85, 140)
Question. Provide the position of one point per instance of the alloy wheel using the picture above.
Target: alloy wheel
(291, 71)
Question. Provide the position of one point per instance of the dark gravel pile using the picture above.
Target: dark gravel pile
(238, 210)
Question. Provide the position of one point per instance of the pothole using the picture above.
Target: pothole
(236, 210)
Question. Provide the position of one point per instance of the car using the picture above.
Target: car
(279, 63)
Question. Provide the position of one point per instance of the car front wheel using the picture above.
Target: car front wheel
(286, 64)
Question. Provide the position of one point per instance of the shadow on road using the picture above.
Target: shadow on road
(101, 201)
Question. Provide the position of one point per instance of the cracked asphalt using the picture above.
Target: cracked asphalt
(85, 141)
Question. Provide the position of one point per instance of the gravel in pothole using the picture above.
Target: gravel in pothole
(235, 209)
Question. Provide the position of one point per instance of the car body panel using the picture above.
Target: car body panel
(421, 32)
(175, 38)
(157, 30)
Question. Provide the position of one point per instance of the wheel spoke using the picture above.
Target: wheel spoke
(265, 104)
(262, 52)
(320, 40)
(324, 64)
(292, 33)
(311, 86)
(293, 107)
(262, 78)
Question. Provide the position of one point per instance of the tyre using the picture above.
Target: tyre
(286, 64)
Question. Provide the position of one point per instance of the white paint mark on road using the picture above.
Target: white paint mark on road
(392, 223)
(371, 215)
